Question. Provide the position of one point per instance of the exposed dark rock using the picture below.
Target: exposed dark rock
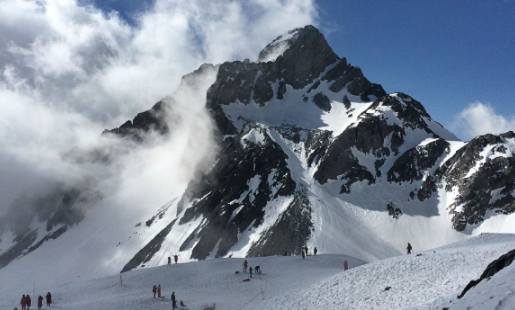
(322, 102)
(393, 211)
(492, 269)
(413, 164)
(226, 182)
(346, 102)
(153, 119)
(475, 189)
(149, 250)
(289, 233)
(316, 145)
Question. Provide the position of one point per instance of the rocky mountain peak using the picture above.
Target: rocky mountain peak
(301, 40)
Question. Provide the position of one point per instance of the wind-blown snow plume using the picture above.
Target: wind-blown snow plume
(69, 71)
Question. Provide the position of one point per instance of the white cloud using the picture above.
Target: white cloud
(479, 119)
(68, 71)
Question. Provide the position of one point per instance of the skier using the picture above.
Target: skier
(174, 301)
(315, 250)
(23, 302)
(303, 254)
(245, 265)
(250, 271)
(154, 290)
(409, 248)
(40, 302)
(48, 299)
(176, 258)
(306, 248)
(29, 302)
(169, 261)
(345, 265)
(159, 291)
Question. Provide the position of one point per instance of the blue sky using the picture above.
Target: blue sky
(446, 54)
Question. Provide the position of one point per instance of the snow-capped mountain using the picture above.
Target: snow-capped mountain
(310, 153)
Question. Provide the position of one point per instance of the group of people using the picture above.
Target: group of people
(305, 252)
(157, 289)
(26, 301)
(175, 258)
(256, 270)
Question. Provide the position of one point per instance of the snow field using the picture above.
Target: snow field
(430, 281)
(198, 284)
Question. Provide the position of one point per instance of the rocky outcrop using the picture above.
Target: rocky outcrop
(250, 172)
(490, 271)
(417, 162)
(481, 169)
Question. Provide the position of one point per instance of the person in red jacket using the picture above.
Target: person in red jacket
(303, 254)
(40, 302)
(29, 301)
(48, 299)
(245, 265)
(176, 258)
(345, 265)
(23, 303)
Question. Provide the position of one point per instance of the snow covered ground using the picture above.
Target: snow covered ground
(429, 281)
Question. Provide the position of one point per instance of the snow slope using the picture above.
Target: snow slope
(429, 281)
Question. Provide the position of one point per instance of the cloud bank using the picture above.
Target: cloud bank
(68, 71)
(479, 119)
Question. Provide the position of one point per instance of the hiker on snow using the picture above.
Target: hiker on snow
(315, 250)
(169, 261)
(159, 291)
(250, 271)
(176, 258)
(303, 254)
(23, 302)
(154, 290)
(409, 248)
(174, 301)
(40, 302)
(306, 248)
(48, 299)
(345, 265)
(29, 302)
(245, 265)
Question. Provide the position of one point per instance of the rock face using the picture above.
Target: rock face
(492, 268)
(307, 147)
(483, 174)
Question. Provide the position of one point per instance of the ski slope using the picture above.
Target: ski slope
(429, 281)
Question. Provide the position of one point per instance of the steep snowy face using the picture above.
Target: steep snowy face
(482, 173)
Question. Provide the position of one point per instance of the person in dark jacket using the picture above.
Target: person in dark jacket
(48, 299)
(159, 291)
(306, 248)
(409, 248)
(174, 301)
(29, 302)
(23, 303)
(315, 250)
(40, 302)
(250, 271)
(154, 290)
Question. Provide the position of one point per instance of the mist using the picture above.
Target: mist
(69, 71)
